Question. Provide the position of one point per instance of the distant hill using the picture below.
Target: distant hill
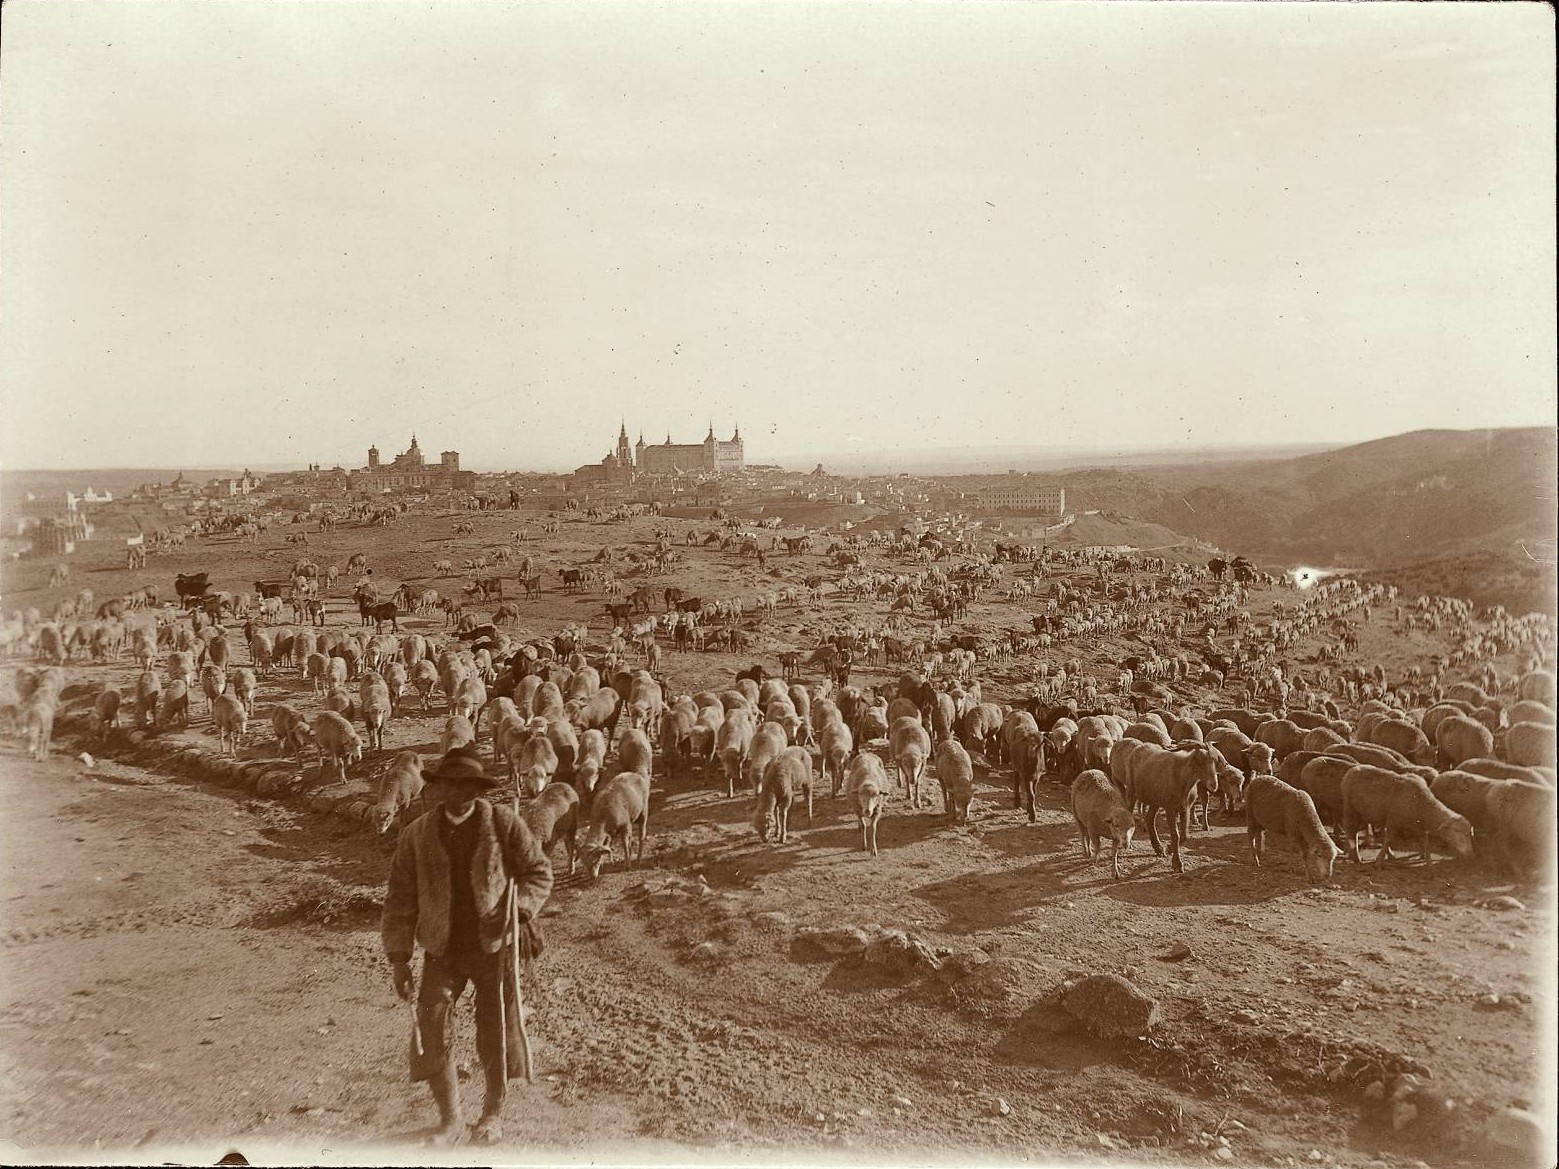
(1470, 509)
(1388, 502)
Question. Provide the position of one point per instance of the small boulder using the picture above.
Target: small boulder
(900, 953)
(1504, 903)
(1110, 1007)
(832, 941)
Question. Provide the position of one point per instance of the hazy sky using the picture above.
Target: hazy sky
(275, 233)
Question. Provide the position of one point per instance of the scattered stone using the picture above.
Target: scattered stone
(1110, 1007)
(1132, 972)
(1104, 1141)
(904, 1102)
(1002, 1107)
(1179, 952)
(833, 941)
(900, 953)
(86, 760)
(773, 918)
(1245, 1017)
(707, 952)
(958, 966)
(1403, 1114)
(865, 1113)
(1505, 902)
(1224, 1153)
(1489, 1002)
(1375, 1091)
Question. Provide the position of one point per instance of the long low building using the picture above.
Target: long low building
(1024, 497)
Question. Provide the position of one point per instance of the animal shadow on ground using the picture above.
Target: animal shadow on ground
(743, 864)
(1033, 839)
(893, 831)
(978, 901)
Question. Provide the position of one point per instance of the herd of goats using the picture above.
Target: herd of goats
(1452, 757)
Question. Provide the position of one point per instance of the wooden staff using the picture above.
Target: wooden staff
(527, 1065)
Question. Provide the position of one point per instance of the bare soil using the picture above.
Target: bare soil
(188, 967)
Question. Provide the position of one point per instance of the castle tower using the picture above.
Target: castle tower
(373, 458)
(711, 462)
(624, 451)
(638, 451)
(414, 453)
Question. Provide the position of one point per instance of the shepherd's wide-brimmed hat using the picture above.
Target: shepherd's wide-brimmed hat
(464, 764)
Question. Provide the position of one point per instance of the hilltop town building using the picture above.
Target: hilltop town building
(713, 456)
(1025, 497)
(410, 470)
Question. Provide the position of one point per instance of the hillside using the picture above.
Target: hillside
(1390, 502)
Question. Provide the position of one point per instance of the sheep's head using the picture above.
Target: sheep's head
(1320, 857)
(1454, 836)
(1123, 826)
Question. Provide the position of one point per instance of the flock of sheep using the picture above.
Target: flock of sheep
(1451, 767)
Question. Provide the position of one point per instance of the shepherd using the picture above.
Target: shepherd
(466, 883)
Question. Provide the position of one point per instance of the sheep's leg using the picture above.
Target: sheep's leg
(1175, 862)
(1255, 845)
(1152, 819)
(1385, 846)
(809, 808)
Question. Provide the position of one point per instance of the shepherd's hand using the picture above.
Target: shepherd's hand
(400, 974)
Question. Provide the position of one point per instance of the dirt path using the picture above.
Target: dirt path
(172, 980)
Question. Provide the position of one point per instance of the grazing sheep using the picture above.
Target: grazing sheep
(588, 761)
(1538, 685)
(424, 677)
(1400, 805)
(837, 744)
(1520, 819)
(533, 761)
(787, 776)
(619, 806)
(1530, 745)
(767, 743)
(1274, 806)
(173, 705)
(38, 726)
(733, 744)
(292, 729)
(399, 788)
(338, 742)
(341, 702)
(105, 711)
(1321, 739)
(955, 774)
(1148, 732)
(1100, 811)
(1530, 711)
(1466, 795)
(376, 716)
(676, 738)
(1403, 737)
(1168, 780)
(1282, 735)
(553, 817)
(909, 746)
(457, 732)
(232, 721)
(1458, 738)
(634, 753)
(1321, 779)
(1096, 738)
(867, 787)
(243, 685)
(1499, 769)
(1025, 752)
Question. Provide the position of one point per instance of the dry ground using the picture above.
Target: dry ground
(185, 965)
